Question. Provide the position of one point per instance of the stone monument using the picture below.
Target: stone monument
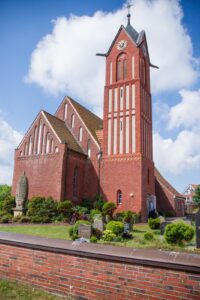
(21, 194)
(197, 222)
(85, 231)
(98, 223)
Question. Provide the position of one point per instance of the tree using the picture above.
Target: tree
(196, 197)
(5, 191)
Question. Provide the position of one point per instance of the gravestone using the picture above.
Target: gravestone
(98, 223)
(21, 194)
(162, 227)
(197, 222)
(85, 231)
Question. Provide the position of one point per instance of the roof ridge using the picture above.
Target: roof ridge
(89, 111)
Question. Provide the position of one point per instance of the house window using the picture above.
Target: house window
(121, 67)
(89, 149)
(80, 137)
(72, 121)
(119, 197)
(75, 182)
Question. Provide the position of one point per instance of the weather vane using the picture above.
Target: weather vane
(129, 14)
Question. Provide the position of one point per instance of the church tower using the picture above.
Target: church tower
(127, 176)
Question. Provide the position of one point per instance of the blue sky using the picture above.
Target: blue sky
(25, 87)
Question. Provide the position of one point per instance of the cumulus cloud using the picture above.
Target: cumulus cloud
(183, 152)
(186, 112)
(9, 139)
(64, 60)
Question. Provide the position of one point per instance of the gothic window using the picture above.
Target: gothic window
(72, 121)
(80, 137)
(75, 182)
(48, 142)
(121, 67)
(51, 146)
(30, 145)
(148, 176)
(35, 139)
(56, 149)
(26, 149)
(89, 149)
(119, 197)
(39, 137)
(65, 112)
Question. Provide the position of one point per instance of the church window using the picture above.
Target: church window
(26, 149)
(48, 143)
(30, 145)
(75, 182)
(80, 137)
(148, 175)
(121, 67)
(51, 146)
(39, 138)
(119, 197)
(65, 112)
(72, 121)
(56, 149)
(21, 153)
(89, 149)
(35, 139)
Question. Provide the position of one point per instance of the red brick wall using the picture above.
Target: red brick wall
(86, 278)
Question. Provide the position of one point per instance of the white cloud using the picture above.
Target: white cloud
(186, 112)
(9, 139)
(183, 152)
(179, 155)
(64, 61)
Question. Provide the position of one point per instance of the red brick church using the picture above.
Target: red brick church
(74, 154)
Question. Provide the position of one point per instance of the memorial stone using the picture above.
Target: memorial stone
(21, 194)
(85, 231)
(98, 223)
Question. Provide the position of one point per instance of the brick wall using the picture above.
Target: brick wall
(98, 271)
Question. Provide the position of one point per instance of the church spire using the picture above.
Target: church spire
(129, 15)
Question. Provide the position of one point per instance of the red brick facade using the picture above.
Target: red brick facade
(67, 156)
(91, 276)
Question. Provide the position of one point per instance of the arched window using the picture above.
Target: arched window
(51, 146)
(39, 137)
(48, 142)
(21, 153)
(56, 149)
(89, 149)
(35, 140)
(148, 175)
(121, 67)
(72, 121)
(75, 182)
(80, 137)
(119, 197)
(26, 149)
(65, 112)
(30, 145)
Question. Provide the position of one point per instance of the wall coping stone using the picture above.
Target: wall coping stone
(146, 257)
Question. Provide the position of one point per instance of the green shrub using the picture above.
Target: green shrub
(99, 202)
(94, 212)
(87, 203)
(6, 218)
(80, 210)
(108, 208)
(115, 226)
(93, 239)
(24, 219)
(8, 205)
(154, 223)
(64, 207)
(16, 218)
(148, 236)
(5, 192)
(108, 235)
(73, 232)
(119, 216)
(177, 233)
(41, 210)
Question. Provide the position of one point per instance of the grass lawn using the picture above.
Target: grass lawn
(17, 291)
(62, 232)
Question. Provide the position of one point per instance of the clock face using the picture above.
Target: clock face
(122, 45)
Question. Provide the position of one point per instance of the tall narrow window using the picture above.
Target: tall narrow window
(89, 149)
(26, 149)
(119, 197)
(51, 146)
(48, 142)
(65, 112)
(121, 67)
(148, 176)
(39, 137)
(80, 137)
(30, 145)
(75, 182)
(72, 121)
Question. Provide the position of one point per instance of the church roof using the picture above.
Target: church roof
(92, 121)
(63, 132)
(166, 184)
